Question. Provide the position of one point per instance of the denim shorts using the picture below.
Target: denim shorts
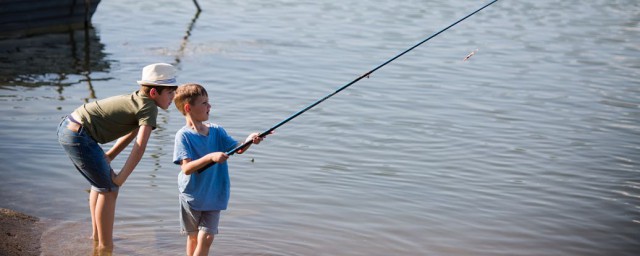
(87, 156)
(191, 221)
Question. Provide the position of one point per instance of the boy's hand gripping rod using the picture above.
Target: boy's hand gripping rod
(270, 130)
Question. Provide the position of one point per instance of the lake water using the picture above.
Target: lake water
(531, 147)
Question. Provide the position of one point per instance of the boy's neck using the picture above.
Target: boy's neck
(197, 126)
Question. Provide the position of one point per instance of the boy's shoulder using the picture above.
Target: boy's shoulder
(184, 130)
(187, 130)
(214, 126)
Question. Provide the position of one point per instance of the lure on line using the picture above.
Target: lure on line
(469, 55)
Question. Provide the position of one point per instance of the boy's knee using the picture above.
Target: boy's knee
(207, 238)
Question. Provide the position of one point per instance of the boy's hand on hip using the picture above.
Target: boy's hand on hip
(218, 157)
(108, 158)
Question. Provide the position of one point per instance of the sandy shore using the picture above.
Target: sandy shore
(21, 233)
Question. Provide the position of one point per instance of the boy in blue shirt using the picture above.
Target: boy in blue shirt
(198, 145)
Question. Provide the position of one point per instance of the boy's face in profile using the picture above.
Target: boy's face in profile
(164, 99)
(199, 111)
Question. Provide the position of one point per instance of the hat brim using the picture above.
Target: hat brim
(154, 84)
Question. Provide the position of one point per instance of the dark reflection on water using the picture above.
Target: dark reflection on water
(50, 59)
(185, 38)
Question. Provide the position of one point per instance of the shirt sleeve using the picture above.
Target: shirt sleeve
(181, 148)
(227, 141)
(148, 115)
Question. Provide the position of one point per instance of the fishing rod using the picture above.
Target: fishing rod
(273, 128)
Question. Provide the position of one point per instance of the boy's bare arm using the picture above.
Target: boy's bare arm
(188, 167)
(144, 132)
(121, 144)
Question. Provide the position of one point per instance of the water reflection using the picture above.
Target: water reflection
(185, 38)
(53, 60)
(163, 119)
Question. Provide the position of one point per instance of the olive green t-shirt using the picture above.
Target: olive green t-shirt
(109, 119)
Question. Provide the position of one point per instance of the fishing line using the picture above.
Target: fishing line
(273, 128)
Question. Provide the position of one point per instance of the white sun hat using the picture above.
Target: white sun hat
(158, 74)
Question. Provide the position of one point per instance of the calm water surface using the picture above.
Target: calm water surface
(531, 147)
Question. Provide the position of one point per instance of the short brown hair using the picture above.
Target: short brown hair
(147, 88)
(187, 94)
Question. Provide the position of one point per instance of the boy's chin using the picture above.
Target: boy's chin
(165, 107)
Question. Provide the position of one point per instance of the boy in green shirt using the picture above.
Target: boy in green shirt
(125, 118)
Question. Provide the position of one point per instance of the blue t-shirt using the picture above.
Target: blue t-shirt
(210, 189)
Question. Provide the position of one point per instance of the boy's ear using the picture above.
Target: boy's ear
(153, 93)
(187, 108)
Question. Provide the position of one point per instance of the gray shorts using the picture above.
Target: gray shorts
(191, 221)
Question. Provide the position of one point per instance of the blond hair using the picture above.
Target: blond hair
(187, 94)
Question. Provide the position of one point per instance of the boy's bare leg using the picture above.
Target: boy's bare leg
(105, 215)
(93, 199)
(205, 240)
(192, 241)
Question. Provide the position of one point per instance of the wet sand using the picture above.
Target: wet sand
(25, 235)
(21, 233)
